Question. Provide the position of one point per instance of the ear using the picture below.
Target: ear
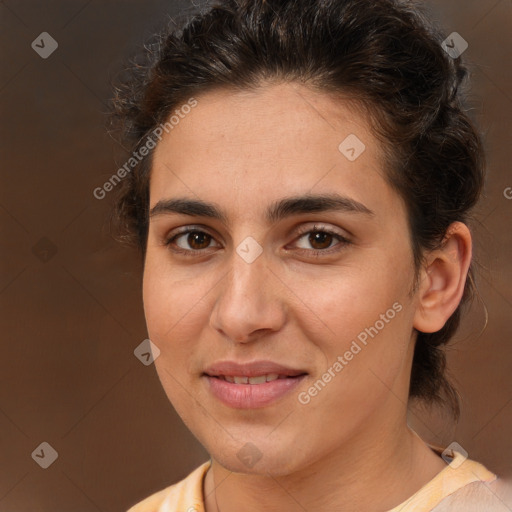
(442, 279)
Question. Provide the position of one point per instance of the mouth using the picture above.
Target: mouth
(254, 369)
(251, 385)
(261, 379)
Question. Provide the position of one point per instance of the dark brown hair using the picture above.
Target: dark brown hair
(381, 54)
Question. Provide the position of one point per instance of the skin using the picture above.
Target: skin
(350, 447)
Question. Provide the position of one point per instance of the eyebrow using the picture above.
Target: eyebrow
(278, 210)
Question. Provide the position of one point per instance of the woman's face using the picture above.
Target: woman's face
(315, 293)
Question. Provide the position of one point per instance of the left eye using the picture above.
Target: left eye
(320, 240)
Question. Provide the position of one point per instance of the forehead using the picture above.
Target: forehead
(253, 118)
(251, 146)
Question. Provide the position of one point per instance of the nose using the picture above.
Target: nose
(249, 303)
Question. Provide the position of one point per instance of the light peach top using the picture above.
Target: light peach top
(464, 482)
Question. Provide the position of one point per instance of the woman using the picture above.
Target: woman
(301, 203)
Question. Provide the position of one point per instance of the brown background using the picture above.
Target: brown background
(71, 312)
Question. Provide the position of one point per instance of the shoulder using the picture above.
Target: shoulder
(186, 494)
(479, 496)
(152, 503)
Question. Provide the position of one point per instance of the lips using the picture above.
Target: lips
(251, 385)
(269, 377)
(254, 369)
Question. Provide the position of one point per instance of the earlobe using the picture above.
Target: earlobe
(443, 279)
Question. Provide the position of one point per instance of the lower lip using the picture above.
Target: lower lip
(252, 396)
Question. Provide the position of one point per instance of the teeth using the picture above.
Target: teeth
(257, 380)
(252, 380)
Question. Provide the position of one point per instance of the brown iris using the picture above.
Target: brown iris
(197, 238)
(319, 237)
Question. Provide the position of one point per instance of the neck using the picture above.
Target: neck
(359, 475)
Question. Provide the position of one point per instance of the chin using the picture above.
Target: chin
(264, 467)
(258, 458)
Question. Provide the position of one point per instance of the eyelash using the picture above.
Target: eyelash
(342, 241)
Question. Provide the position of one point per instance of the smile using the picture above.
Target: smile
(269, 377)
(261, 393)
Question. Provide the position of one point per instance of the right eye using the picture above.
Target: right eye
(190, 242)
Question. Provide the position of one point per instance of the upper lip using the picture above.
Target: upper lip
(252, 369)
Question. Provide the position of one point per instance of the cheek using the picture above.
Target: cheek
(172, 309)
(349, 299)
(362, 315)
(174, 317)
(170, 301)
